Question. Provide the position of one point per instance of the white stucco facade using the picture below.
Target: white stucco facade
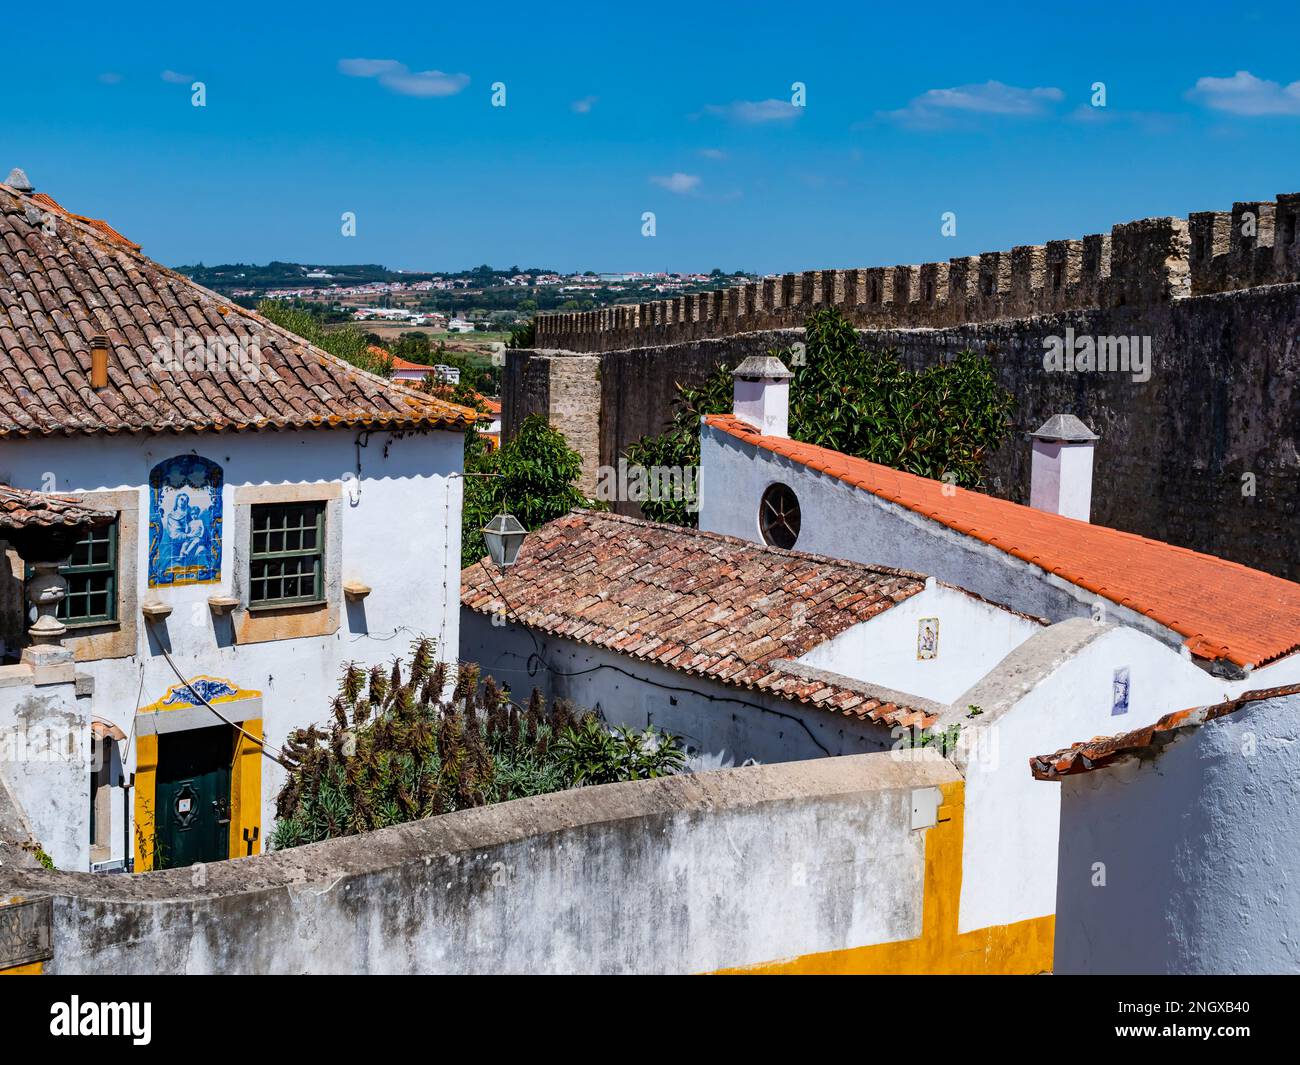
(392, 533)
(1051, 689)
(847, 522)
(1186, 862)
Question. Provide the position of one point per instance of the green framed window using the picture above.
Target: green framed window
(287, 557)
(91, 573)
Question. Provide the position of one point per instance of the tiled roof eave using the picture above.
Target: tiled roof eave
(1144, 742)
(1217, 611)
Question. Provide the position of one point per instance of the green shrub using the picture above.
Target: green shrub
(942, 422)
(397, 751)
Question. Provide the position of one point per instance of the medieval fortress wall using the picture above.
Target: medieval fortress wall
(1204, 453)
(1140, 263)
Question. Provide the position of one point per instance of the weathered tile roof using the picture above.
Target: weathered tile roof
(65, 279)
(21, 509)
(707, 605)
(1223, 609)
(1143, 742)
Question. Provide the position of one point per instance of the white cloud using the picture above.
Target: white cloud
(1245, 94)
(677, 182)
(110, 78)
(396, 77)
(755, 112)
(937, 107)
(716, 154)
(173, 78)
(584, 105)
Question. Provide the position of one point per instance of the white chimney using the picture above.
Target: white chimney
(1060, 474)
(762, 394)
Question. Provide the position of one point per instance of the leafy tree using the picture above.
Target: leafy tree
(679, 445)
(348, 343)
(398, 749)
(535, 479)
(941, 422)
(414, 347)
(524, 336)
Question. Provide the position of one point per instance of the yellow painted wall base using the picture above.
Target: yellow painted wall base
(1023, 947)
(36, 968)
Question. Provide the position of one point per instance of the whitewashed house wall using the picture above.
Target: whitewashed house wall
(397, 498)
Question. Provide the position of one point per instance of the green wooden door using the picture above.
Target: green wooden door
(193, 797)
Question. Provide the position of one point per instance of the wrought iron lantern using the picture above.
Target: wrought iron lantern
(504, 537)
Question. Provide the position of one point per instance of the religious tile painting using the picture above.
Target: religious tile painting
(184, 522)
(927, 639)
(1119, 692)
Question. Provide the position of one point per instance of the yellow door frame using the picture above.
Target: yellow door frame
(245, 775)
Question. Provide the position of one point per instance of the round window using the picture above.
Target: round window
(778, 516)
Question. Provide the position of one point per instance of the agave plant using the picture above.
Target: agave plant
(398, 747)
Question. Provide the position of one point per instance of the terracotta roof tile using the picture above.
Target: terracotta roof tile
(1223, 609)
(1105, 750)
(22, 509)
(65, 279)
(705, 604)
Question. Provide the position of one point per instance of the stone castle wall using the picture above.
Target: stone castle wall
(1142, 263)
(1222, 402)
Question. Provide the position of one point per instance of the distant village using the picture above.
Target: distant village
(395, 299)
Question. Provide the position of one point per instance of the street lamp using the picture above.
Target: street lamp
(504, 537)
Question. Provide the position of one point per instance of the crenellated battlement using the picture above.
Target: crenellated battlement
(1150, 261)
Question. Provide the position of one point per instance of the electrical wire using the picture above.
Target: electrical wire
(262, 745)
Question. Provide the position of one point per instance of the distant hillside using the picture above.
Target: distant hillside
(297, 275)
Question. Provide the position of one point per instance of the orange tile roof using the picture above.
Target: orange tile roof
(97, 223)
(406, 364)
(1105, 750)
(1224, 610)
(701, 603)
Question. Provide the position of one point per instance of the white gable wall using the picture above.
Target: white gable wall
(973, 637)
(1012, 820)
(846, 522)
(1196, 852)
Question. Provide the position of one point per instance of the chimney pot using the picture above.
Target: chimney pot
(99, 362)
(1060, 477)
(17, 180)
(761, 394)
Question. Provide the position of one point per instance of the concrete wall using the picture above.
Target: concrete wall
(679, 875)
(721, 725)
(1185, 863)
(45, 761)
(393, 522)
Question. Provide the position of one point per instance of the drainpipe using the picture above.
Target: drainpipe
(128, 857)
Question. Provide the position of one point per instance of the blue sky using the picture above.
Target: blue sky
(613, 110)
